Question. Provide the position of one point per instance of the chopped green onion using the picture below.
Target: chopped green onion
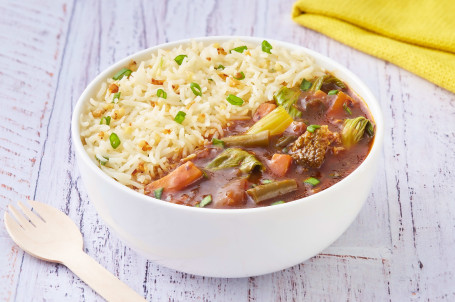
(305, 85)
(266, 47)
(239, 76)
(205, 201)
(217, 142)
(240, 49)
(266, 181)
(179, 59)
(196, 89)
(220, 67)
(122, 72)
(277, 202)
(102, 159)
(347, 109)
(332, 92)
(115, 141)
(116, 97)
(106, 119)
(161, 94)
(312, 128)
(210, 79)
(312, 181)
(234, 100)
(180, 117)
(158, 192)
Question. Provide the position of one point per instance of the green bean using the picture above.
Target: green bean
(260, 139)
(271, 190)
(285, 140)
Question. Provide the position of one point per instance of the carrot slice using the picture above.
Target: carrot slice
(280, 164)
(263, 110)
(337, 106)
(178, 179)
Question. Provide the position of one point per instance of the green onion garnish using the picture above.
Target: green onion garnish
(158, 192)
(196, 89)
(312, 128)
(305, 85)
(234, 100)
(205, 201)
(277, 202)
(217, 142)
(210, 79)
(220, 67)
(102, 159)
(161, 94)
(116, 97)
(115, 141)
(239, 76)
(123, 72)
(266, 181)
(312, 181)
(179, 59)
(240, 49)
(347, 109)
(180, 117)
(106, 119)
(332, 92)
(266, 47)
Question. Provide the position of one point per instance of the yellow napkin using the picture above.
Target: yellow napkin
(418, 35)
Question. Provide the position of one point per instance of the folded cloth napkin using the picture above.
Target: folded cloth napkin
(418, 35)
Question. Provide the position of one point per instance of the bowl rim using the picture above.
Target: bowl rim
(368, 97)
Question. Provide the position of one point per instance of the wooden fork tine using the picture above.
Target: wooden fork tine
(39, 208)
(11, 224)
(9, 221)
(29, 214)
(19, 217)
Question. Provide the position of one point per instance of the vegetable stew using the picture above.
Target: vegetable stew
(303, 141)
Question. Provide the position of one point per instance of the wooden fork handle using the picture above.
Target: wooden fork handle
(100, 279)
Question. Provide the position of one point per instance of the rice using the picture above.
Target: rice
(151, 140)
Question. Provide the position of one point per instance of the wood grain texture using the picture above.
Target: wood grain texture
(400, 248)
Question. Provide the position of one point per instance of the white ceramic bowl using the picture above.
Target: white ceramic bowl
(238, 242)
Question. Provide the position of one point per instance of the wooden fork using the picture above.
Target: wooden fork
(48, 234)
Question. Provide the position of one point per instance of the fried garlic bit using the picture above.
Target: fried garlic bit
(144, 146)
(119, 113)
(98, 112)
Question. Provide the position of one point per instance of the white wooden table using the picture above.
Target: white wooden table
(400, 248)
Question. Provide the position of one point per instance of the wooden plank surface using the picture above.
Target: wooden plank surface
(400, 248)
